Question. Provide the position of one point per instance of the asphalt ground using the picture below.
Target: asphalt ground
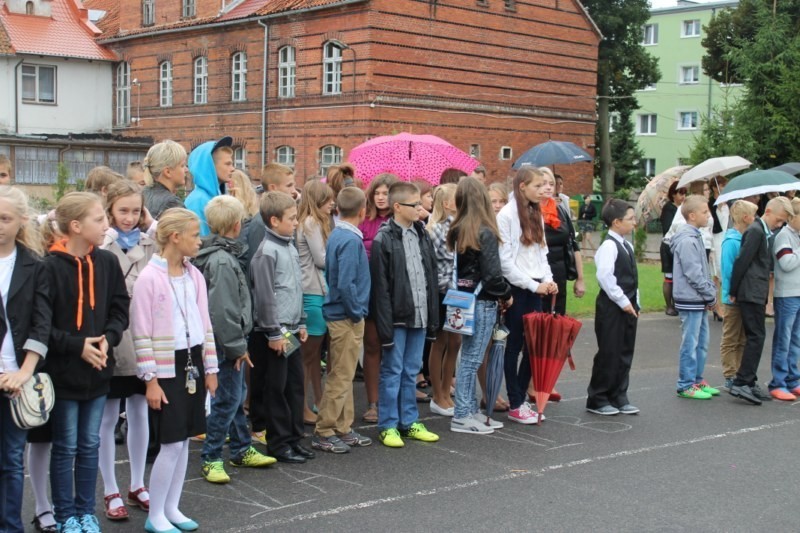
(680, 465)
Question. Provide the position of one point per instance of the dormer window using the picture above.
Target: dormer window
(30, 8)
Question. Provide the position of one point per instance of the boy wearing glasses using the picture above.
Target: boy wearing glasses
(404, 302)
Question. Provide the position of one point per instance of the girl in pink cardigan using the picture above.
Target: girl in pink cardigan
(175, 350)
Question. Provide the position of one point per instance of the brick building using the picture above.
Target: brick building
(493, 77)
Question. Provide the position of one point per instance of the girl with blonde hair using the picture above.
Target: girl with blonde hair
(165, 172)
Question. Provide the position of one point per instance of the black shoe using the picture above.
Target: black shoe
(301, 450)
(37, 524)
(121, 431)
(759, 393)
(290, 456)
(745, 393)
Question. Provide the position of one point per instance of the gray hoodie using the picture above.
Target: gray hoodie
(692, 287)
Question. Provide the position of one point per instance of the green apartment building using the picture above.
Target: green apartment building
(670, 112)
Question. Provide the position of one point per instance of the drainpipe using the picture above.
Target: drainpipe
(265, 69)
(16, 96)
(710, 81)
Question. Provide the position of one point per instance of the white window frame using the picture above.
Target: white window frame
(652, 124)
(650, 34)
(123, 94)
(506, 156)
(165, 84)
(649, 168)
(201, 80)
(188, 9)
(285, 155)
(680, 124)
(613, 119)
(148, 12)
(329, 155)
(34, 73)
(239, 77)
(240, 158)
(332, 68)
(648, 87)
(695, 69)
(287, 71)
(694, 25)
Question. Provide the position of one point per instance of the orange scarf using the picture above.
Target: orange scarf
(549, 209)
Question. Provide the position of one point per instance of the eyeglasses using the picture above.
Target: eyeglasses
(414, 205)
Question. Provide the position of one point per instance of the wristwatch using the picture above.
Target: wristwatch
(148, 377)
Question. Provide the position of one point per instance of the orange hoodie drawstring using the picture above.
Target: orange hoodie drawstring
(79, 320)
(60, 246)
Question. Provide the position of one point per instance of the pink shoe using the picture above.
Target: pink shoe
(523, 415)
(796, 391)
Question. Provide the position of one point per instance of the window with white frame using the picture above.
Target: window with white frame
(188, 10)
(165, 84)
(329, 155)
(80, 161)
(647, 87)
(332, 69)
(287, 71)
(613, 122)
(240, 158)
(690, 28)
(239, 77)
(650, 34)
(201, 80)
(688, 120)
(123, 93)
(36, 165)
(648, 124)
(148, 12)
(506, 153)
(285, 156)
(690, 74)
(39, 84)
(648, 167)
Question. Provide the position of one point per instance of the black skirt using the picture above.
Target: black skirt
(126, 386)
(184, 416)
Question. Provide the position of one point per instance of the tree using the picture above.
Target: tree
(624, 66)
(625, 152)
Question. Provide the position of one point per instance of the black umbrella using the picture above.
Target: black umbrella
(552, 153)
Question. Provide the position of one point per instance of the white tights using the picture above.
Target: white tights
(39, 470)
(138, 436)
(166, 484)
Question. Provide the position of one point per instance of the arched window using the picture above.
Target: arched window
(329, 155)
(123, 94)
(287, 72)
(239, 77)
(332, 68)
(29, 8)
(285, 156)
(165, 84)
(201, 80)
(240, 158)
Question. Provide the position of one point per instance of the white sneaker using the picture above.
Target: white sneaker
(523, 415)
(532, 407)
(469, 425)
(435, 409)
(483, 419)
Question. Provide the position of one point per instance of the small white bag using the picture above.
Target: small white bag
(31, 408)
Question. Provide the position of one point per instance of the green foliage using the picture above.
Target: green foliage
(41, 205)
(639, 242)
(62, 185)
(625, 152)
(622, 194)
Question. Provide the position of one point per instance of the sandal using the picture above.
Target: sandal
(423, 397)
(423, 384)
(136, 501)
(371, 414)
(117, 513)
(37, 523)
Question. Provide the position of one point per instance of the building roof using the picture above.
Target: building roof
(67, 32)
(684, 6)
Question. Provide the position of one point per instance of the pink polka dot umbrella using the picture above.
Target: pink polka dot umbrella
(409, 157)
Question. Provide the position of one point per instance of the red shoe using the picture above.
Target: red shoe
(136, 501)
(117, 513)
(554, 397)
(782, 394)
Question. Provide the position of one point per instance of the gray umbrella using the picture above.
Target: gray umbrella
(789, 168)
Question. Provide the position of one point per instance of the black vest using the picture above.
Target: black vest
(625, 271)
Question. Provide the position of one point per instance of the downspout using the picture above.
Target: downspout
(710, 81)
(264, 69)
(16, 96)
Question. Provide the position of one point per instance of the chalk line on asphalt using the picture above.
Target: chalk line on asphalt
(508, 476)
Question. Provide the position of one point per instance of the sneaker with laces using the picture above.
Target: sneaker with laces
(745, 393)
(331, 444)
(694, 393)
(759, 393)
(391, 438)
(483, 419)
(705, 387)
(72, 525)
(523, 415)
(253, 458)
(728, 384)
(259, 437)
(89, 524)
(214, 472)
(355, 440)
(470, 425)
(418, 431)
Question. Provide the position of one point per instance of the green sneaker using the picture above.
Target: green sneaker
(253, 458)
(705, 387)
(694, 393)
(417, 431)
(391, 438)
(214, 472)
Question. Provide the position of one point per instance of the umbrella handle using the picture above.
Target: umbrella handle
(553, 304)
(570, 361)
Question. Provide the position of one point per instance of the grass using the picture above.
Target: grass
(650, 295)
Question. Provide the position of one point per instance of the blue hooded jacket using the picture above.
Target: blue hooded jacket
(206, 183)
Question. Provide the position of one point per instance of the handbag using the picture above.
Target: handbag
(31, 407)
(459, 316)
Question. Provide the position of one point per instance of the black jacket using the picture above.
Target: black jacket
(157, 199)
(391, 302)
(73, 378)
(28, 310)
(750, 276)
(483, 266)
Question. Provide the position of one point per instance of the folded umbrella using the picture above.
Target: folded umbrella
(758, 182)
(494, 365)
(553, 153)
(716, 166)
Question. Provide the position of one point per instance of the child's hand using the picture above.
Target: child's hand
(211, 384)
(505, 304)
(277, 345)
(543, 288)
(94, 355)
(303, 335)
(579, 288)
(552, 288)
(104, 346)
(155, 395)
(12, 382)
(243, 359)
(630, 310)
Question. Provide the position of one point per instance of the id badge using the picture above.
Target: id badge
(191, 382)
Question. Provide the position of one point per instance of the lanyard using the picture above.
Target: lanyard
(184, 310)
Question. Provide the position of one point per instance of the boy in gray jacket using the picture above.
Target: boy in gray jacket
(277, 289)
(231, 312)
(694, 294)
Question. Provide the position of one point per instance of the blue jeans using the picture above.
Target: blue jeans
(786, 344)
(227, 415)
(694, 348)
(73, 459)
(473, 349)
(12, 448)
(397, 389)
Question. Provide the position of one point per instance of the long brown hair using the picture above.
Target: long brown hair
(377, 181)
(473, 210)
(530, 214)
(315, 195)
